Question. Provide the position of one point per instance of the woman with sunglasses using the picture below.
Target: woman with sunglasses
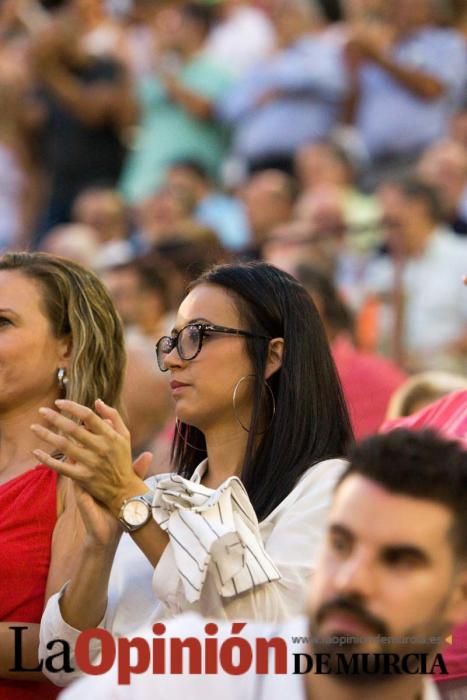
(261, 429)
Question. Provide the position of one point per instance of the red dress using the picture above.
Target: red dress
(28, 508)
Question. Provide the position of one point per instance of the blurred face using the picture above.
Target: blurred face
(445, 167)
(387, 567)
(30, 355)
(185, 184)
(125, 289)
(410, 14)
(459, 127)
(160, 215)
(104, 212)
(266, 203)
(291, 245)
(400, 217)
(361, 9)
(317, 165)
(203, 387)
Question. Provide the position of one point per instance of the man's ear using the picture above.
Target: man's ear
(275, 354)
(458, 606)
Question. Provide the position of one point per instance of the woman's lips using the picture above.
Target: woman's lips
(177, 386)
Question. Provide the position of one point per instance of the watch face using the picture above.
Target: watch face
(135, 513)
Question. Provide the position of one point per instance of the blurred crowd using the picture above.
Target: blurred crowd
(149, 139)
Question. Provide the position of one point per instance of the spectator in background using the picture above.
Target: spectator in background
(164, 222)
(444, 166)
(141, 294)
(292, 99)
(293, 243)
(335, 251)
(209, 206)
(368, 380)
(458, 128)
(19, 182)
(103, 209)
(314, 236)
(410, 75)
(329, 163)
(421, 390)
(269, 197)
(177, 103)
(418, 282)
(75, 242)
(87, 105)
(160, 217)
(242, 36)
(13, 170)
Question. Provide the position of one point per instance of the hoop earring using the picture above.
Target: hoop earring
(62, 378)
(185, 441)
(234, 399)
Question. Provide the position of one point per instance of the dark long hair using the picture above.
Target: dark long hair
(311, 422)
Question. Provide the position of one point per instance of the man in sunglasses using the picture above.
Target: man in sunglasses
(390, 584)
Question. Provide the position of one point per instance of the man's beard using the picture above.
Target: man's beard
(375, 670)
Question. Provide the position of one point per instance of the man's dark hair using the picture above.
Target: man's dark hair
(419, 464)
(194, 166)
(150, 272)
(413, 188)
(200, 13)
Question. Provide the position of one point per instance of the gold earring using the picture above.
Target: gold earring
(234, 399)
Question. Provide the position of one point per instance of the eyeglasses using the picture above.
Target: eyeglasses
(189, 341)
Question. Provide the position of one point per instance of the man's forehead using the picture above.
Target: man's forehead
(368, 510)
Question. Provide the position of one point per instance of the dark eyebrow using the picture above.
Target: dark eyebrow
(399, 551)
(193, 320)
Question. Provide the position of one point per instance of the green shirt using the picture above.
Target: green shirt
(168, 132)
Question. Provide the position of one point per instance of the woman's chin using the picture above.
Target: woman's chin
(187, 417)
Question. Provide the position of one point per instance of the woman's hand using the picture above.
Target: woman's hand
(102, 528)
(98, 451)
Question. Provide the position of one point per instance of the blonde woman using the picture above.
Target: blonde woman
(60, 337)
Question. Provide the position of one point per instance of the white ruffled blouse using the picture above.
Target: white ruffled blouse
(220, 562)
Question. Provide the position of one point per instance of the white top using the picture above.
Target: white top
(211, 531)
(435, 299)
(241, 41)
(289, 536)
(247, 686)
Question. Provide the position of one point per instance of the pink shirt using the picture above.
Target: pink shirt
(368, 381)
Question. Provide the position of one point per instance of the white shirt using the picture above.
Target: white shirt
(242, 40)
(247, 686)
(290, 534)
(435, 302)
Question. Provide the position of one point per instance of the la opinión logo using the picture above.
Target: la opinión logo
(235, 655)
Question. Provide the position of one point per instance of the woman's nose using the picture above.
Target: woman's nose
(172, 358)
